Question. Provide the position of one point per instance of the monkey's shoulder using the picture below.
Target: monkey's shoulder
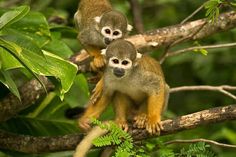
(149, 65)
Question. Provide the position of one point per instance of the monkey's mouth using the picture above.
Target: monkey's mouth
(107, 41)
(119, 72)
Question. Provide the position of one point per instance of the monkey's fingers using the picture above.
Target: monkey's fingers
(154, 129)
(84, 124)
(98, 63)
(122, 124)
(140, 120)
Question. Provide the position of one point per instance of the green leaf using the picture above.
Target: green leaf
(62, 70)
(204, 51)
(13, 16)
(59, 48)
(16, 51)
(8, 61)
(34, 25)
(6, 79)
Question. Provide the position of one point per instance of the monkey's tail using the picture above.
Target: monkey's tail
(74, 113)
(84, 146)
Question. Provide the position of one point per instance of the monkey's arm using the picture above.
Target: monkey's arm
(93, 111)
(87, 38)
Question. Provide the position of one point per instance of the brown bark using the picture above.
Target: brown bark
(29, 92)
(30, 144)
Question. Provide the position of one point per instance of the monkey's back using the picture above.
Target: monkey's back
(89, 9)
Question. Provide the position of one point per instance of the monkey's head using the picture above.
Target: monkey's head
(121, 57)
(112, 25)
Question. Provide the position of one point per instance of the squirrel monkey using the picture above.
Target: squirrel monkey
(98, 25)
(136, 86)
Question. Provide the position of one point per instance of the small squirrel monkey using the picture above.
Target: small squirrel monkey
(98, 25)
(136, 86)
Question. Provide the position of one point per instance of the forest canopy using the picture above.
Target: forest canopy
(44, 72)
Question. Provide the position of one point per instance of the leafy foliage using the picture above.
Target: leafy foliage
(199, 149)
(116, 136)
(35, 31)
(25, 37)
(213, 10)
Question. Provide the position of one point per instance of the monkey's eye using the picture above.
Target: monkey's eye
(108, 31)
(115, 61)
(125, 62)
(116, 33)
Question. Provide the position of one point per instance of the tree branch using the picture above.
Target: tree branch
(178, 52)
(201, 140)
(29, 92)
(30, 144)
(222, 89)
(163, 36)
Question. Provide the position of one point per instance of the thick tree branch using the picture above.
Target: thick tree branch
(29, 144)
(29, 92)
(163, 36)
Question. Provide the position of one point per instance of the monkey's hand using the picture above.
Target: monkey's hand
(140, 120)
(97, 63)
(122, 123)
(153, 124)
(84, 123)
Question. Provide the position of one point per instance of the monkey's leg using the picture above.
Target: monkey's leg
(155, 105)
(93, 111)
(121, 104)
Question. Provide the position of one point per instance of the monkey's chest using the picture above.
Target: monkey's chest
(130, 89)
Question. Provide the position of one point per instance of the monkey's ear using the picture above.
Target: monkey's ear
(129, 27)
(139, 55)
(103, 52)
(97, 19)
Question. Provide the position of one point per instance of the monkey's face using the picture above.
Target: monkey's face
(112, 25)
(121, 57)
(119, 67)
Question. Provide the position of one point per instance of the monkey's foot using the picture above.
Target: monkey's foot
(140, 120)
(122, 124)
(84, 123)
(153, 125)
(98, 63)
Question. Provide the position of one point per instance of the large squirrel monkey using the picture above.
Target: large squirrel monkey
(135, 84)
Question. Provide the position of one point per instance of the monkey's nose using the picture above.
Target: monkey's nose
(107, 40)
(119, 72)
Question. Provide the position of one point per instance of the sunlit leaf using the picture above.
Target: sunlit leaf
(13, 16)
(6, 79)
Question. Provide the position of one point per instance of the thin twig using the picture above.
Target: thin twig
(190, 36)
(194, 13)
(222, 89)
(200, 140)
(137, 15)
(178, 52)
